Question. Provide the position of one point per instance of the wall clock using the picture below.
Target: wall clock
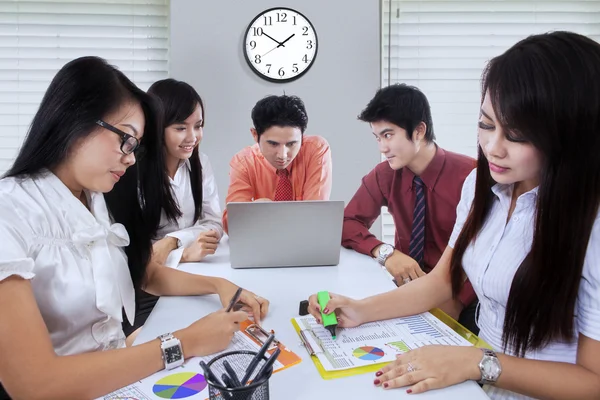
(280, 45)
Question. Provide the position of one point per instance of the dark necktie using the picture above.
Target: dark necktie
(417, 236)
(283, 191)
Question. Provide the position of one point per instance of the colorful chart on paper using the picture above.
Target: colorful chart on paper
(179, 386)
(368, 353)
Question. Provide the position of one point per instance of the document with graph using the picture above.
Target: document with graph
(375, 342)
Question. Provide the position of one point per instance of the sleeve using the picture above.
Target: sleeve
(360, 213)
(588, 299)
(464, 206)
(210, 219)
(240, 188)
(319, 173)
(14, 258)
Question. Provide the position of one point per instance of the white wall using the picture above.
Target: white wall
(206, 52)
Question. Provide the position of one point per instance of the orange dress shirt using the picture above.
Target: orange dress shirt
(252, 177)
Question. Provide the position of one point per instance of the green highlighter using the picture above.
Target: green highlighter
(329, 320)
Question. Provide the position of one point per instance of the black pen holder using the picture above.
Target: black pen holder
(239, 361)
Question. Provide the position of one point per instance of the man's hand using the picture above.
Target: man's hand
(402, 267)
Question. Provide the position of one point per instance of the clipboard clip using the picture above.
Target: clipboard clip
(261, 335)
(309, 342)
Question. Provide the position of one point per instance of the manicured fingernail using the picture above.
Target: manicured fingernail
(378, 373)
(385, 385)
(409, 391)
(319, 320)
(377, 381)
(326, 311)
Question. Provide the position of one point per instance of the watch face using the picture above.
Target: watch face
(280, 45)
(491, 368)
(173, 354)
(386, 250)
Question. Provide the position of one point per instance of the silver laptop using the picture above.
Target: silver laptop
(285, 233)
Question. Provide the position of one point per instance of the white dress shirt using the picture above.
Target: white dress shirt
(74, 259)
(491, 261)
(185, 229)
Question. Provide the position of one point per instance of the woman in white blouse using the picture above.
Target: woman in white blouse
(64, 276)
(190, 224)
(527, 236)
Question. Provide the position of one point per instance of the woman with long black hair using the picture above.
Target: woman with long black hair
(527, 236)
(73, 250)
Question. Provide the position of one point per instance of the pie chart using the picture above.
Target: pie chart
(368, 353)
(179, 386)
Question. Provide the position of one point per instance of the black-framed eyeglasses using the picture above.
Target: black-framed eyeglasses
(129, 143)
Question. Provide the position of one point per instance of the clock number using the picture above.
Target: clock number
(309, 44)
(268, 68)
(257, 31)
(268, 20)
(257, 59)
(305, 58)
(294, 19)
(295, 68)
(283, 17)
(252, 44)
(305, 29)
(281, 72)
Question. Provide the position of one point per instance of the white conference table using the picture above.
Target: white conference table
(356, 275)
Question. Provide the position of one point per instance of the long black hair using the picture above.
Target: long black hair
(546, 90)
(179, 100)
(83, 91)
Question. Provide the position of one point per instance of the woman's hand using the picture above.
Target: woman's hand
(210, 334)
(347, 310)
(254, 305)
(431, 367)
(205, 244)
(162, 248)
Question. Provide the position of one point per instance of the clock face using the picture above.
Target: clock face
(280, 45)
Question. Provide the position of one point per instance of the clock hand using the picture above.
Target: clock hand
(270, 51)
(282, 43)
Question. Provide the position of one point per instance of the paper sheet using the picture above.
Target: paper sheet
(377, 342)
(186, 381)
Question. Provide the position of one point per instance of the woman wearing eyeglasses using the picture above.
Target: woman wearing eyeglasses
(527, 236)
(73, 250)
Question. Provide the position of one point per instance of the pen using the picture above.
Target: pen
(259, 356)
(234, 299)
(208, 374)
(264, 371)
(232, 375)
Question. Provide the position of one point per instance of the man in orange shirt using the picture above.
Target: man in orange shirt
(283, 165)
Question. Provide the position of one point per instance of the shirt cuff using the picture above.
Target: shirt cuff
(174, 258)
(185, 237)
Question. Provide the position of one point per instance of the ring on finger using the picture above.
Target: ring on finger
(406, 280)
(410, 368)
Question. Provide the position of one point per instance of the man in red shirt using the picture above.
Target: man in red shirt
(419, 183)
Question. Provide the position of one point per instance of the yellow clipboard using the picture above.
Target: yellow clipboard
(442, 316)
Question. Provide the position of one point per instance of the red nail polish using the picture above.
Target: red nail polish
(385, 385)
(376, 381)
(326, 311)
(409, 391)
(378, 373)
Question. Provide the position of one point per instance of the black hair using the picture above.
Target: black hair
(545, 90)
(179, 100)
(402, 105)
(279, 111)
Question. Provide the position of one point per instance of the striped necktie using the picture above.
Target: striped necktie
(283, 191)
(417, 236)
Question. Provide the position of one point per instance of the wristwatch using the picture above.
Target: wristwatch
(385, 250)
(172, 352)
(490, 368)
